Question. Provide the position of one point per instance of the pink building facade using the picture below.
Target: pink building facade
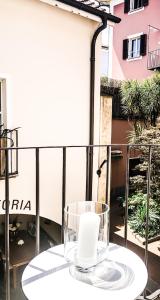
(136, 40)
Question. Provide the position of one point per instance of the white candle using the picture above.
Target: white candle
(88, 239)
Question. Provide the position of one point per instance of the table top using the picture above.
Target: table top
(48, 275)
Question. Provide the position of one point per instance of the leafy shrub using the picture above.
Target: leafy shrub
(141, 103)
(137, 221)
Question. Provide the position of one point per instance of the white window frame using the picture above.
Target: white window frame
(130, 39)
(132, 54)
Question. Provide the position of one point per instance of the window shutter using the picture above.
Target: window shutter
(143, 45)
(125, 48)
(126, 6)
(145, 2)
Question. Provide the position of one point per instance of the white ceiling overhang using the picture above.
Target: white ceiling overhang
(72, 10)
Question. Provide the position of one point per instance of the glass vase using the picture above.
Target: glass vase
(86, 235)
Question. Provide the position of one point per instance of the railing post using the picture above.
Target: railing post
(7, 262)
(16, 151)
(87, 173)
(126, 195)
(147, 203)
(11, 156)
(37, 204)
(108, 177)
(63, 190)
(90, 181)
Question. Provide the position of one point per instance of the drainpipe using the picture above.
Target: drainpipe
(92, 96)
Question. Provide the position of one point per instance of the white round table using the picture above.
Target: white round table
(48, 277)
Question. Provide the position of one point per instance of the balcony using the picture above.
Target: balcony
(153, 62)
(120, 231)
(153, 58)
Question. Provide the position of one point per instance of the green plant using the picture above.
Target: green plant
(137, 202)
(130, 92)
(141, 103)
(148, 136)
(104, 80)
(141, 100)
(137, 215)
(137, 221)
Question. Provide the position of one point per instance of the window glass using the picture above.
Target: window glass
(131, 4)
(138, 45)
(135, 4)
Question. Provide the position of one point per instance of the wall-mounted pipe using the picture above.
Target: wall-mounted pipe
(92, 98)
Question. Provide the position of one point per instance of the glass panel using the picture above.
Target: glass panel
(138, 3)
(134, 50)
(138, 46)
(131, 4)
(135, 4)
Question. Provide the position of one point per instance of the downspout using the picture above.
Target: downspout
(92, 96)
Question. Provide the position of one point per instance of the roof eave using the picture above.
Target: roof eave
(91, 10)
(85, 8)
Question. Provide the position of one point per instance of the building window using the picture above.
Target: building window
(131, 5)
(134, 47)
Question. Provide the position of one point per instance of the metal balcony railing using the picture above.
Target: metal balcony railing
(153, 59)
(90, 150)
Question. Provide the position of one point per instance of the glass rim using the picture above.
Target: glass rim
(95, 202)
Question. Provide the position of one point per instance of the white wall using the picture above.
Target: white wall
(45, 53)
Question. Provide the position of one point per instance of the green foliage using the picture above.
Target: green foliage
(137, 215)
(104, 80)
(141, 100)
(137, 202)
(138, 183)
(130, 92)
(137, 222)
(148, 136)
(141, 103)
